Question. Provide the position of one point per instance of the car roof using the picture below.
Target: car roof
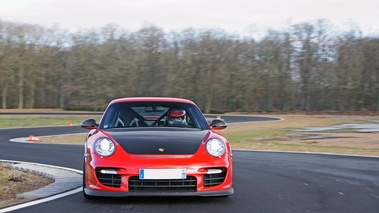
(151, 99)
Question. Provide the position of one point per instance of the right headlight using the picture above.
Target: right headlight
(105, 147)
(216, 147)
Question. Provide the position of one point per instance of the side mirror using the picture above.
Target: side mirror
(218, 124)
(89, 124)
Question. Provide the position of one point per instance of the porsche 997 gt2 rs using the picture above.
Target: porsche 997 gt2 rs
(156, 147)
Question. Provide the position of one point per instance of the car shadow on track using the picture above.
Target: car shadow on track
(157, 200)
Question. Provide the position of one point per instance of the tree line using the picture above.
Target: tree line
(304, 67)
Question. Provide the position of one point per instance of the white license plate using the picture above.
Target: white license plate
(162, 174)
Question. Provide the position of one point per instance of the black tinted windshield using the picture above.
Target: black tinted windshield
(153, 114)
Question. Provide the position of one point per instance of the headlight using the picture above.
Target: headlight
(216, 147)
(104, 147)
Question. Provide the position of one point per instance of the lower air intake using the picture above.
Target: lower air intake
(155, 185)
(111, 180)
(214, 179)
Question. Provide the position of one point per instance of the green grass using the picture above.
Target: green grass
(256, 135)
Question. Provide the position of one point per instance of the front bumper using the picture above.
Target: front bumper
(116, 177)
(199, 184)
(153, 194)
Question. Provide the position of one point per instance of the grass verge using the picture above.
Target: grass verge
(273, 135)
(10, 121)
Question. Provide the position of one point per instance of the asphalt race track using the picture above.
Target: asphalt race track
(263, 181)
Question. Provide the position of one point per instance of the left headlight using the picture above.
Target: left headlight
(104, 147)
(216, 147)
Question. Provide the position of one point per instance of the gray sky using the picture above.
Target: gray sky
(230, 15)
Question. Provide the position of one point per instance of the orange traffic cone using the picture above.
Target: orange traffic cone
(32, 138)
(68, 124)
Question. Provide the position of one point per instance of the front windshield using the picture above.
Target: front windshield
(153, 114)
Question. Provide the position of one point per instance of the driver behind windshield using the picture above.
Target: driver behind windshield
(176, 116)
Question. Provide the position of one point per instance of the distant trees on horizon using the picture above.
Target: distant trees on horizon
(306, 67)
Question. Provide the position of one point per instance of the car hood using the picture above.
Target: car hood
(162, 141)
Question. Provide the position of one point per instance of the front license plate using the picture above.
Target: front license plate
(162, 174)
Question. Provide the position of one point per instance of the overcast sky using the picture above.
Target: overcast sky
(230, 15)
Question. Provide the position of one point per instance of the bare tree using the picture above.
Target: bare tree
(305, 67)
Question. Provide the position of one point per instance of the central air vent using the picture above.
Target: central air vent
(179, 185)
(215, 179)
(111, 180)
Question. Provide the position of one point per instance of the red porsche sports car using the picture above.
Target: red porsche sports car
(156, 147)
